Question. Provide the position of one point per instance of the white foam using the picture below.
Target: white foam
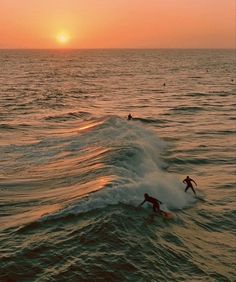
(167, 189)
(138, 168)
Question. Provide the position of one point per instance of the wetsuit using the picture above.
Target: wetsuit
(155, 203)
(189, 184)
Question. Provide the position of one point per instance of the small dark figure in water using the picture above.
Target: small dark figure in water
(164, 84)
(156, 203)
(129, 117)
(189, 181)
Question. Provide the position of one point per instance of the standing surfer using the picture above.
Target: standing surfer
(189, 181)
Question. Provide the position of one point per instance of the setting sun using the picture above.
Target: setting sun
(117, 24)
(63, 38)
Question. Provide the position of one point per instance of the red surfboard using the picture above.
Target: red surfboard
(167, 215)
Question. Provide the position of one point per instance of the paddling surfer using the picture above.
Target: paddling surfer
(129, 117)
(189, 181)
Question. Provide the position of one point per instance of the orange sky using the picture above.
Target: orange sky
(117, 23)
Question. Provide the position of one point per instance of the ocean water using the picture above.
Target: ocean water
(74, 169)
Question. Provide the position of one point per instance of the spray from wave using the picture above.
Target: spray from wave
(132, 162)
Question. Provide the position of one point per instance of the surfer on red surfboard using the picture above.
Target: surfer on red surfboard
(155, 203)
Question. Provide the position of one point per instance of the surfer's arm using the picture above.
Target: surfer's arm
(194, 182)
(142, 202)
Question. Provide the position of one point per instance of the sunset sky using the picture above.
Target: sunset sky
(117, 23)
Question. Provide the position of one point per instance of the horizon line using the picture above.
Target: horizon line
(126, 48)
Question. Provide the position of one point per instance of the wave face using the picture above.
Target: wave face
(74, 169)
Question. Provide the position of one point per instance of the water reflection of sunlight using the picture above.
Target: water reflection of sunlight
(24, 217)
(91, 125)
(58, 198)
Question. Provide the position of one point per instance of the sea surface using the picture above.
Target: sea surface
(74, 169)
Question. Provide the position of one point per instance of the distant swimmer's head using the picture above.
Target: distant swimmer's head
(146, 195)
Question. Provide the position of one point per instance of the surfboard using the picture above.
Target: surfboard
(167, 215)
